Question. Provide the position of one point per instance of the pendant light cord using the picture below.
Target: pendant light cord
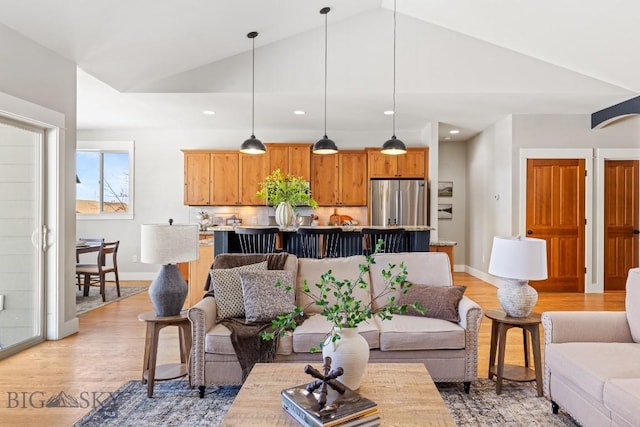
(393, 119)
(253, 85)
(325, 75)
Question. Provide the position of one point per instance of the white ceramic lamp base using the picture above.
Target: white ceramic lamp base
(517, 298)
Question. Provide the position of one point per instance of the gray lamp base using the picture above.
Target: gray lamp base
(517, 298)
(168, 291)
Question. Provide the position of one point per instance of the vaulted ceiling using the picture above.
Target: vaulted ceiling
(465, 63)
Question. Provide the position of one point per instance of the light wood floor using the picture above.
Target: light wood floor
(108, 351)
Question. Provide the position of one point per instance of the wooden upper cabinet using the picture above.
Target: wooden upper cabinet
(352, 180)
(291, 158)
(324, 179)
(253, 170)
(197, 181)
(339, 179)
(413, 164)
(224, 178)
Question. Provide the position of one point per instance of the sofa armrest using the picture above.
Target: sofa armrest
(585, 326)
(203, 317)
(470, 319)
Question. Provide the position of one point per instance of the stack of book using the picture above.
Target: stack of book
(344, 410)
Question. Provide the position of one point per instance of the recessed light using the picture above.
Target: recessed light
(454, 131)
(447, 138)
(388, 112)
(299, 113)
(208, 112)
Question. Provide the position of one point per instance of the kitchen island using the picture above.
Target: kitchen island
(416, 239)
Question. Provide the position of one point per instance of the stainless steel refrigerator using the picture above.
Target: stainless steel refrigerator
(398, 202)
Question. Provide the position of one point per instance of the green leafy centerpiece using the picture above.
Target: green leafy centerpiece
(285, 192)
(340, 306)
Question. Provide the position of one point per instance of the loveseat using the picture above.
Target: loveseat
(592, 362)
(448, 349)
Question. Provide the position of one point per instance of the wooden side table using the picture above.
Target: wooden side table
(500, 324)
(151, 372)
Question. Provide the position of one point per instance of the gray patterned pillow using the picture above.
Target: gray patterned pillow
(263, 300)
(227, 289)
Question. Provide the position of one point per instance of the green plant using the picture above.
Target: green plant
(279, 187)
(345, 310)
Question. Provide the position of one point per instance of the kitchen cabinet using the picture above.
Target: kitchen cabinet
(222, 178)
(413, 164)
(291, 158)
(339, 179)
(447, 249)
(198, 272)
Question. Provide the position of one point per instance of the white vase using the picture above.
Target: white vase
(351, 352)
(284, 214)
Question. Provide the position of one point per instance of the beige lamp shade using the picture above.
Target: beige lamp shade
(168, 244)
(520, 258)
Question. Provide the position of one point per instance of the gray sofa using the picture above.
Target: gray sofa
(449, 350)
(592, 362)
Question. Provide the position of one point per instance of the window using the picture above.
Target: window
(104, 179)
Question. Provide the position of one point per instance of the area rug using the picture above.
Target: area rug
(94, 300)
(174, 403)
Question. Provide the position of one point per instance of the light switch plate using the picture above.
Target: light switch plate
(1, 302)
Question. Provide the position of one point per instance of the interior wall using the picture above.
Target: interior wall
(452, 163)
(159, 179)
(43, 82)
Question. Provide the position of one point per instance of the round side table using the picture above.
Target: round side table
(151, 372)
(500, 324)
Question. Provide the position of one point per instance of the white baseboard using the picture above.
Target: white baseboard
(135, 275)
(482, 276)
(65, 329)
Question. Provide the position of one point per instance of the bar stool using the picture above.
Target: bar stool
(393, 239)
(320, 242)
(257, 240)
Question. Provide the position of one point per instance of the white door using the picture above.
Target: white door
(21, 234)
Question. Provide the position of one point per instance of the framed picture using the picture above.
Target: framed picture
(445, 211)
(445, 189)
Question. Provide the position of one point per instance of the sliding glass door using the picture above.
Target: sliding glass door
(21, 236)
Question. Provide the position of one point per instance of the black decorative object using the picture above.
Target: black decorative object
(324, 379)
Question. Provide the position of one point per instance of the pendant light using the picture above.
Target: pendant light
(394, 146)
(253, 145)
(325, 145)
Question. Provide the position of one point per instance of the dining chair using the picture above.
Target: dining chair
(257, 240)
(88, 241)
(393, 240)
(320, 242)
(95, 274)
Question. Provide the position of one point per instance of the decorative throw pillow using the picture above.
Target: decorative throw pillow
(441, 302)
(263, 300)
(227, 289)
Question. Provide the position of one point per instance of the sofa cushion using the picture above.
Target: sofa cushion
(632, 303)
(427, 268)
(227, 288)
(341, 268)
(218, 340)
(315, 329)
(419, 333)
(441, 302)
(263, 300)
(622, 397)
(590, 364)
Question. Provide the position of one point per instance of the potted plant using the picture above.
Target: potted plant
(345, 311)
(285, 192)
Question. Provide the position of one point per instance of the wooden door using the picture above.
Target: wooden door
(382, 165)
(324, 179)
(352, 181)
(412, 164)
(224, 183)
(278, 157)
(300, 161)
(555, 213)
(196, 178)
(253, 170)
(621, 221)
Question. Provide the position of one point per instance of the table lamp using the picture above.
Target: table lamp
(518, 260)
(168, 244)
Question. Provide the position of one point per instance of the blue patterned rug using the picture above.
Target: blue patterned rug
(174, 403)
